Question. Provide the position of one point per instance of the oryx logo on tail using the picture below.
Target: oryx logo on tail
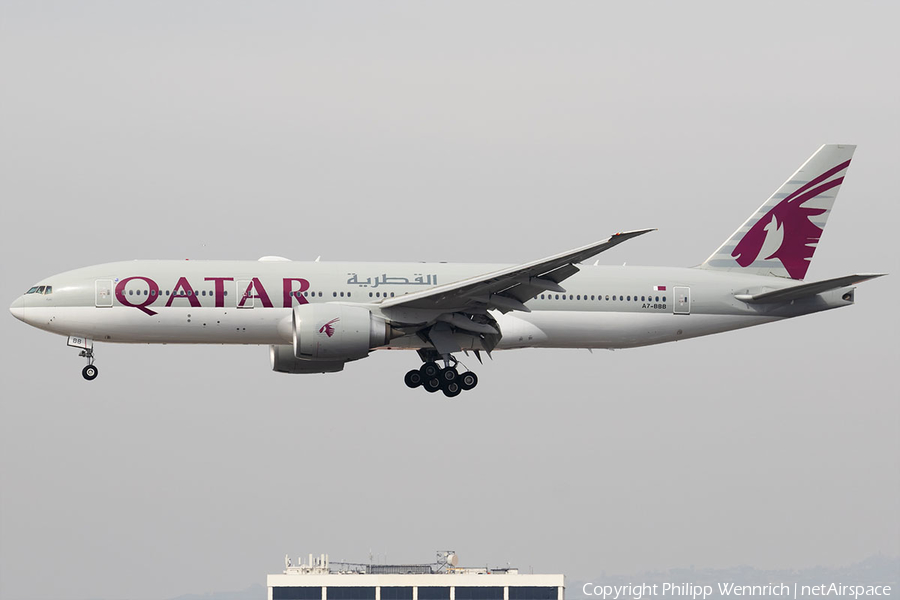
(789, 218)
(780, 238)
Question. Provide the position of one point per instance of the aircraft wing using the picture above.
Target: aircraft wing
(509, 288)
(804, 290)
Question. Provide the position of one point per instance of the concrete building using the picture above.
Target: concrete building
(320, 579)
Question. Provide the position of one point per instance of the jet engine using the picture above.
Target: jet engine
(337, 332)
(284, 361)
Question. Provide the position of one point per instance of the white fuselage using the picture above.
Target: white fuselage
(250, 302)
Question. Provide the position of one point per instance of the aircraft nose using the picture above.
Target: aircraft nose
(17, 308)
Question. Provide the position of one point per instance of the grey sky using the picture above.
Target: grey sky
(496, 132)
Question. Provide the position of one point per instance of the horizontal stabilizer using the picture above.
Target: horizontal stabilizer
(806, 290)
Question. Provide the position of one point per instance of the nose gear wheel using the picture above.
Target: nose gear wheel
(90, 372)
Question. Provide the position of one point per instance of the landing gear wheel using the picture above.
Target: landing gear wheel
(429, 370)
(452, 389)
(468, 380)
(413, 378)
(90, 372)
(431, 385)
(447, 375)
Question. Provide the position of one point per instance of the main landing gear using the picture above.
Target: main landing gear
(90, 372)
(447, 379)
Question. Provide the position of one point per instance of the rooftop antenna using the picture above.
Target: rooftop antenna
(446, 558)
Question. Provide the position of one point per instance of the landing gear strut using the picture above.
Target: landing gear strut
(447, 379)
(90, 372)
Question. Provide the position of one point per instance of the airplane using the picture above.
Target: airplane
(317, 316)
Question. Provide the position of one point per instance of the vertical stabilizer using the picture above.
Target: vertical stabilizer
(781, 236)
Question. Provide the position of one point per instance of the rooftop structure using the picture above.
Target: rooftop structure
(321, 579)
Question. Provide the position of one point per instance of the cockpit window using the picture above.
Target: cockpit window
(41, 289)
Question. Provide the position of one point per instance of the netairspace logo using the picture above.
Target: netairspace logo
(702, 592)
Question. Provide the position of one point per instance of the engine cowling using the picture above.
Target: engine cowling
(284, 361)
(333, 332)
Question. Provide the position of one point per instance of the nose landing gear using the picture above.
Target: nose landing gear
(90, 372)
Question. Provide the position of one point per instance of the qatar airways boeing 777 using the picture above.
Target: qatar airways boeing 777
(317, 316)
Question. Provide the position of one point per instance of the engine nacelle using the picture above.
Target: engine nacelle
(333, 332)
(284, 361)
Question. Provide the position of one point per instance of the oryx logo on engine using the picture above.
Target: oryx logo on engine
(328, 328)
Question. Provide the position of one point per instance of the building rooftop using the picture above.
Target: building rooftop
(446, 562)
(321, 579)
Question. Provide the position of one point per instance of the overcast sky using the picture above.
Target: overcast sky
(496, 132)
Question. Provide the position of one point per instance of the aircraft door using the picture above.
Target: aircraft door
(103, 293)
(682, 301)
(245, 294)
